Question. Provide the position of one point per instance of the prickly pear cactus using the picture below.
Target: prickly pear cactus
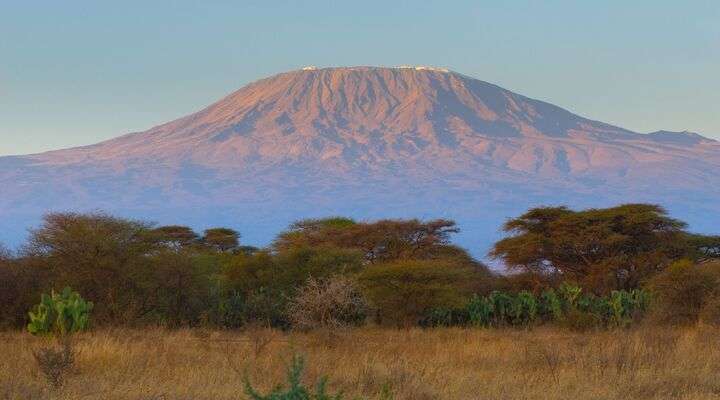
(60, 314)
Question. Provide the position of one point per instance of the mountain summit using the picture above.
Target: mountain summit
(368, 142)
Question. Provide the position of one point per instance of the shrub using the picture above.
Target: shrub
(295, 390)
(232, 311)
(178, 288)
(334, 302)
(404, 292)
(524, 308)
(571, 308)
(550, 305)
(60, 314)
(680, 292)
(267, 281)
(480, 311)
(55, 363)
(446, 317)
(267, 307)
(21, 284)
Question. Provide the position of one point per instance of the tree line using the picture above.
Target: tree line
(340, 272)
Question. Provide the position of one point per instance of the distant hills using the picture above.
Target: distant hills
(367, 142)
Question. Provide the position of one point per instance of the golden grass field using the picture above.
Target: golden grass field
(447, 363)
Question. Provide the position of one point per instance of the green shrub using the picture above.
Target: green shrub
(405, 292)
(524, 308)
(501, 304)
(446, 317)
(550, 305)
(295, 389)
(574, 309)
(60, 314)
(231, 311)
(569, 295)
(480, 311)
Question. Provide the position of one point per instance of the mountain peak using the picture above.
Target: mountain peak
(366, 142)
(366, 118)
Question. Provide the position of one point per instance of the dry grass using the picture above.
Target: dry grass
(545, 363)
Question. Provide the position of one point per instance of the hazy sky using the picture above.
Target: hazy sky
(77, 72)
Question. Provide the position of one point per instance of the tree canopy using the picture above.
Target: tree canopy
(380, 241)
(223, 239)
(603, 249)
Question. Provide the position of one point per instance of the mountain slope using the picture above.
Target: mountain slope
(367, 142)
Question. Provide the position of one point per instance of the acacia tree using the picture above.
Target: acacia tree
(404, 292)
(703, 248)
(176, 237)
(101, 256)
(222, 239)
(603, 249)
(380, 241)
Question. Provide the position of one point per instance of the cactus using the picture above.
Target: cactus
(501, 304)
(551, 306)
(480, 311)
(60, 314)
(523, 308)
(569, 294)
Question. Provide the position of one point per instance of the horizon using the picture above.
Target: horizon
(95, 72)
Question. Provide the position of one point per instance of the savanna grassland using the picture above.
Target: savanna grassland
(441, 363)
(617, 303)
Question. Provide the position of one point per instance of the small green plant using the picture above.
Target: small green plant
(60, 314)
(294, 390)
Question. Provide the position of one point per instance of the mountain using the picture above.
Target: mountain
(367, 142)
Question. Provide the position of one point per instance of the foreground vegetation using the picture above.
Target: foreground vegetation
(442, 363)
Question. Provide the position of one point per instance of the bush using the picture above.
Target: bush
(231, 311)
(267, 281)
(55, 362)
(179, 289)
(405, 292)
(445, 317)
(295, 390)
(333, 303)
(60, 314)
(21, 283)
(680, 292)
(567, 306)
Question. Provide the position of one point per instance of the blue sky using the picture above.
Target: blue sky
(78, 72)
